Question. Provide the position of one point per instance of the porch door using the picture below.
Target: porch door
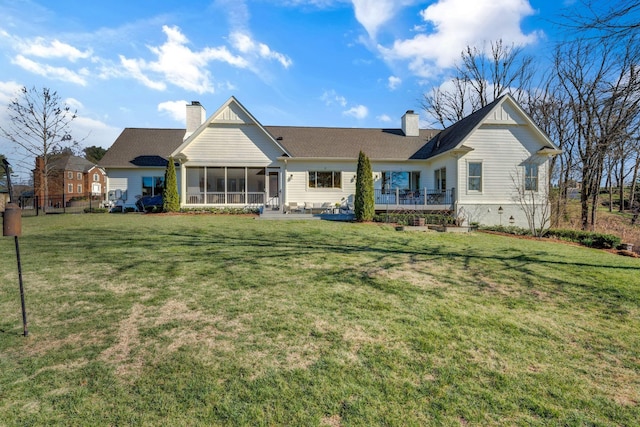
(273, 192)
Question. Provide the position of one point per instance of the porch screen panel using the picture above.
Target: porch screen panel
(255, 185)
(215, 185)
(236, 185)
(255, 180)
(195, 185)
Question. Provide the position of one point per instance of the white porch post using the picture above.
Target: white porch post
(183, 184)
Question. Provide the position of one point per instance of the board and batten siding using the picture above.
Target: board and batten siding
(502, 149)
(232, 145)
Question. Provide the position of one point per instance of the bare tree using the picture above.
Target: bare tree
(548, 107)
(39, 126)
(532, 198)
(602, 85)
(480, 77)
(614, 20)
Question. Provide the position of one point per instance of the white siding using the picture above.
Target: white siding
(296, 179)
(502, 151)
(448, 162)
(232, 145)
(296, 182)
(130, 180)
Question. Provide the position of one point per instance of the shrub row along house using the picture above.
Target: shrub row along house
(474, 168)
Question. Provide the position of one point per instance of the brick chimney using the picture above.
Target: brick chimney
(196, 115)
(411, 124)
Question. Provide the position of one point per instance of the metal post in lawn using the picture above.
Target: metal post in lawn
(12, 226)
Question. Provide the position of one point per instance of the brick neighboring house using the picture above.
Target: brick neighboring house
(70, 178)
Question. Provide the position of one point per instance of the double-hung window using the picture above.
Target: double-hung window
(474, 176)
(531, 177)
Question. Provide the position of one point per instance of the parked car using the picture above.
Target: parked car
(149, 204)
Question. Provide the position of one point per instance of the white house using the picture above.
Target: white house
(473, 168)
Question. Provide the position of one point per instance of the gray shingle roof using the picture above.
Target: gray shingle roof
(314, 142)
(135, 142)
(449, 138)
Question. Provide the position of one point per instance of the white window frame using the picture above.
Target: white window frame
(79, 188)
(79, 176)
(533, 178)
(69, 188)
(440, 178)
(96, 178)
(469, 176)
(333, 175)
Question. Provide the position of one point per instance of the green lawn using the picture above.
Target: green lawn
(219, 320)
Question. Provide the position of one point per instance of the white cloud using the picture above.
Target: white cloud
(134, 68)
(372, 14)
(175, 109)
(394, 82)
(8, 91)
(90, 131)
(245, 44)
(73, 103)
(53, 49)
(384, 118)
(359, 112)
(177, 64)
(457, 24)
(49, 71)
(330, 97)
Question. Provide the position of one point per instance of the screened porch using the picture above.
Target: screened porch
(225, 186)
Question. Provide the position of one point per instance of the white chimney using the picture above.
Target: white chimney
(196, 115)
(411, 124)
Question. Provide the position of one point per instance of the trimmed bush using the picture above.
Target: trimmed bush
(170, 198)
(364, 204)
(587, 238)
(222, 211)
(407, 219)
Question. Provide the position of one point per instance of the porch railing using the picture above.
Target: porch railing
(229, 198)
(417, 199)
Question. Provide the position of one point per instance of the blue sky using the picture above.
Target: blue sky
(346, 63)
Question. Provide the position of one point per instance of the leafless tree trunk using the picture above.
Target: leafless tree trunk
(39, 126)
(534, 202)
(602, 83)
(481, 76)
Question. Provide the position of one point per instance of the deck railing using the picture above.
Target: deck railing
(416, 199)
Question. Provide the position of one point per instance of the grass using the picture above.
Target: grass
(219, 320)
